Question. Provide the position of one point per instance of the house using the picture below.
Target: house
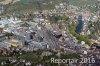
(46, 53)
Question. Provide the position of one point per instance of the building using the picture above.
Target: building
(1, 8)
(10, 43)
(80, 24)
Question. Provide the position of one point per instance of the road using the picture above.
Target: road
(50, 38)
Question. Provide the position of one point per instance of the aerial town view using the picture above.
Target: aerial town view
(49, 32)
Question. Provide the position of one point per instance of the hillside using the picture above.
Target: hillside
(5, 2)
(72, 2)
(33, 5)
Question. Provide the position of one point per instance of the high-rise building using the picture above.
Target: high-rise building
(1, 9)
(80, 24)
